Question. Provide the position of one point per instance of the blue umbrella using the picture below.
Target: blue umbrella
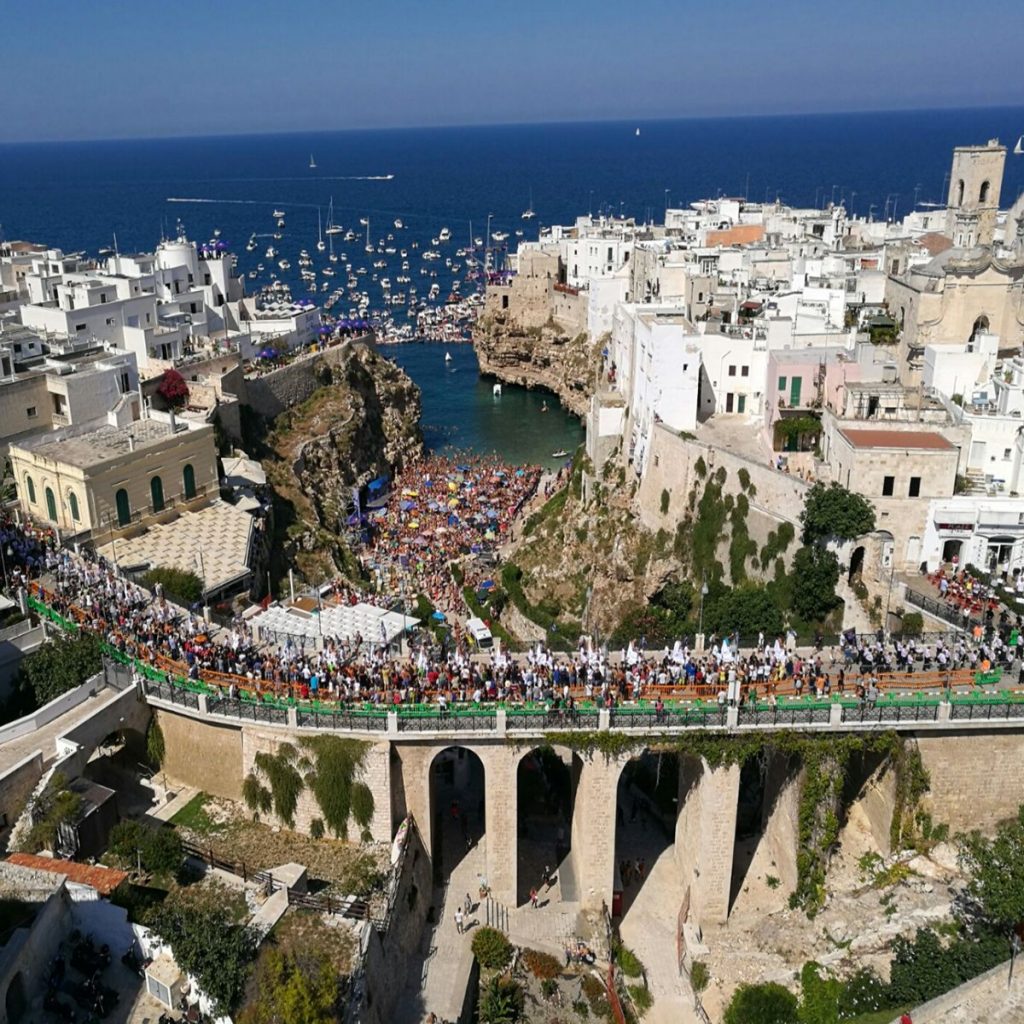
(439, 616)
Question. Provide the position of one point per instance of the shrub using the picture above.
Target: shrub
(913, 624)
(700, 976)
(541, 965)
(641, 997)
(172, 388)
(596, 997)
(491, 948)
(548, 987)
(502, 1001)
(178, 584)
(769, 1003)
(628, 961)
(316, 828)
(772, 881)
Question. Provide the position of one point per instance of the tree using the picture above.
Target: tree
(62, 663)
(287, 990)
(996, 870)
(157, 850)
(815, 575)
(491, 948)
(202, 926)
(746, 610)
(761, 1004)
(178, 584)
(172, 388)
(834, 511)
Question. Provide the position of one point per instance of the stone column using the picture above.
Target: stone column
(376, 773)
(719, 791)
(593, 829)
(501, 801)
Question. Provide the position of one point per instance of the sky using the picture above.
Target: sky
(113, 69)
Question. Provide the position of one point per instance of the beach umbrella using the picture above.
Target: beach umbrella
(487, 585)
(438, 616)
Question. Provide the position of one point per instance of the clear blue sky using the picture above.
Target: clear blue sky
(74, 69)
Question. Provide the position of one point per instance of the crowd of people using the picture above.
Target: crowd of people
(445, 509)
(357, 670)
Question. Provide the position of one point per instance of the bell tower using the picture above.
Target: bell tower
(975, 181)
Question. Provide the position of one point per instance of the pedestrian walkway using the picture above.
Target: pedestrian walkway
(649, 929)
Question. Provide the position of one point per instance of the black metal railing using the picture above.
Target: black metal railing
(555, 719)
(902, 711)
(172, 694)
(447, 722)
(784, 714)
(971, 711)
(356, 721)
(251, 711)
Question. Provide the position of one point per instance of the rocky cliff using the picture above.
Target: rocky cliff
(544, 357)
(362, 423)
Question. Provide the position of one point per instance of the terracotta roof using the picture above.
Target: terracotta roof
(934, 243)
(917, 439)
(103, 880)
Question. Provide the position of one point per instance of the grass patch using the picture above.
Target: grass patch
(195, 817)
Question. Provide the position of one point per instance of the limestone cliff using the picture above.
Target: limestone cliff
(363, 423)
(545, 357)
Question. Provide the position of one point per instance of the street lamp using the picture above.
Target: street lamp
(700, 624)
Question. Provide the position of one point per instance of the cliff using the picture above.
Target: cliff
(362, 423)
(538, 357)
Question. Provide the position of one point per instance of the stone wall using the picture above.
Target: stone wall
(976, 780)
(16, 785)
(204, 754)
(280, 389)
(375, 772)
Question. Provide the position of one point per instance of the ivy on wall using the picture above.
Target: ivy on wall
(328, 766)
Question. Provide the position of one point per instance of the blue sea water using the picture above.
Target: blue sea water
(80, 195)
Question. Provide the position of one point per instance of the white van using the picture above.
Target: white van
(480, 633)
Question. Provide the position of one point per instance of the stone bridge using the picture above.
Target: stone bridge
(524, 795)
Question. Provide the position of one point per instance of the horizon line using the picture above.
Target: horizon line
(668, 119)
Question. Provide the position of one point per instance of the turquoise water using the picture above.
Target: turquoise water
(461, 411)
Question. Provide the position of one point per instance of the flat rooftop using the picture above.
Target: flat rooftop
(220, 533)
(919, 440)
(101, 444)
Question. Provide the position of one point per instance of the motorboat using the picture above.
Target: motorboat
(529, 213)
(559, 454)
(398, 223)
(444, 234)
(279, 213)
(447, 357)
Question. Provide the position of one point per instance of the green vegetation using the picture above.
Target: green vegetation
(178, 584)
(641, 998)
(55, 806)
(817, 569)
(551, 509)
(155, 747)
(628, 961)
(913, 624)
(62, 663)
(833, 511)
(194, 816)
(297, 989)
(202, 924)
(156, 850)
(797, 433)
(491, 948)
(665, 499)
(700, 976)
(761, 1004)
(501, 1002)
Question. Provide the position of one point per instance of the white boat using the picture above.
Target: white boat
(283, 264)
(398, 223)
(559, 454)
(447, 357)
(320, 244)
(496, 390)
(280, 222)
(500, 236)
(279, 213)
(638, 131)
(1019, 148)
(312, 162)
(529, 213)
(368, 247)
(444, 235)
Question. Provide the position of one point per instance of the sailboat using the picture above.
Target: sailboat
(332, 228)
(369, 247)
(1018, 150)
(447, 357)
(312, 162)
(528, 213)
(319, 232)
(638, 131)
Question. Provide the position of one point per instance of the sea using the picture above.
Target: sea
(91, 195)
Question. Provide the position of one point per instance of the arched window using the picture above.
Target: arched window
(31, 488)
(188, 480)
(73, 505)
(980, 326)
(983, 194)
(960, 192)
(124, 507)
(51, 505)
(156, 492)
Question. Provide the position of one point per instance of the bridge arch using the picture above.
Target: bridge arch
(546, 781)
(456, 782)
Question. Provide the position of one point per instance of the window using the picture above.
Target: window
(103, 296)
(983, 194)
(59, 405)
(188, 480)
(888, 486)
(110, 321)
(1006, 453)
(31, 488)
(125, 382)
(124, 507)
(915, 487)
(79, 328)
(51, 505)
(782, 383)
(794, 390)
(31, 412)
(728, 402)
(732, 371)
(156, 492)
(744, 371)
(73, 505)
